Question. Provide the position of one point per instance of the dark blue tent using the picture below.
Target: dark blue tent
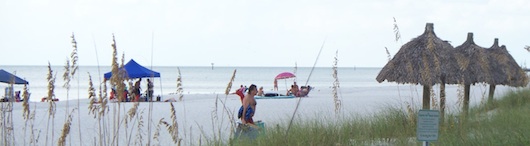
(135, 70)
(7, 77)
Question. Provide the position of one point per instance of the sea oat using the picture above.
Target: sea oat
(483, 99)
(336, 85)
(133, 110)
(51, 86)
(411, 114)
(73, 69)
(434, 103)
(388, 54)
(157, 132)
(26, 111)
(396, 30)
(66, 130)
(91, 96)
(460, 94)
(173, 127)
(49, 99)
(215, 117)
(229, 87)
(131, 88)
(103, 100)
(25, 103)
(66, 76)
(230, 117)
(139, 132)
(179, 85)
(73, 56)
(32, 138)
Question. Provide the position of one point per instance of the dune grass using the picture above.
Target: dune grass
(504, 122)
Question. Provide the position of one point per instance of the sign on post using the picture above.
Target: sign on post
(428, 123)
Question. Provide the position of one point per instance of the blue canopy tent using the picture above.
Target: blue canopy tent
(135, 70)
(6, 77)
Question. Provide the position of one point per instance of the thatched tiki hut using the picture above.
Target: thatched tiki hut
(506, 70)
(423, 61)
(474, 66)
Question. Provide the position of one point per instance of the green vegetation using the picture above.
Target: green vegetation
(503, 122)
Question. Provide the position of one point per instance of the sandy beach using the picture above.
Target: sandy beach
(204, 115)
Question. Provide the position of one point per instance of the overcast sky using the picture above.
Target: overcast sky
(248, 33)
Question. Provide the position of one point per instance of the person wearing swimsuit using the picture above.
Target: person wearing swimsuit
(247, 128)
(248, 108)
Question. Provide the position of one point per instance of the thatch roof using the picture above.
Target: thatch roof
(423, 60)
(474, 62)
(506, 71)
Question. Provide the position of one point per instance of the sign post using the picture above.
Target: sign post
(428, 126)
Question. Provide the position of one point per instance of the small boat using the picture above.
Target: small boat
(274, 96)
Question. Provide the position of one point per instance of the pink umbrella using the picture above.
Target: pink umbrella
(285, 75)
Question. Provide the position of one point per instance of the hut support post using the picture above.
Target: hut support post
(491, 93)
(442, 102)
(426, 97)
(465, 107)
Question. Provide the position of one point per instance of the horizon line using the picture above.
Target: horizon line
(208, 66)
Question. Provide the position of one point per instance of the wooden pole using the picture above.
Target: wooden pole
(465, 107)
(491, 93)
(426, 97)
(442, 102)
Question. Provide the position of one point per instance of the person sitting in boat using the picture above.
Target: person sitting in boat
(290, 91)
(260, 91)
(295, 89)
(304, 91)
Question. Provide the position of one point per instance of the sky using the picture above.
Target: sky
(249, 33)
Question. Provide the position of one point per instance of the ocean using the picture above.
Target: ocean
(196, 80)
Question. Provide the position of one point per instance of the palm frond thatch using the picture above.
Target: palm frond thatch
(474, 62)
(423, 60)
(506, 70)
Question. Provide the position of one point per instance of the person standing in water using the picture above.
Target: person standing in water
(275, 84)
(260, 91)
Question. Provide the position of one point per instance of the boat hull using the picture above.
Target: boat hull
(274, 97)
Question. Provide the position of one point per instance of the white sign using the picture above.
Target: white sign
(428, 123)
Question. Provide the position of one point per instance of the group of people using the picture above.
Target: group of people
(16, 98)
(136, 92)
(298, 92)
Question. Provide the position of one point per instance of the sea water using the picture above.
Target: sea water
(195, 80)
(358, 83)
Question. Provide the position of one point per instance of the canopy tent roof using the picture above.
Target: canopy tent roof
(7, 77)
(507, 71)
(135, 70)
(425, 60)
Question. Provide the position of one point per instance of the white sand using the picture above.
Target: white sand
(196, 113)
